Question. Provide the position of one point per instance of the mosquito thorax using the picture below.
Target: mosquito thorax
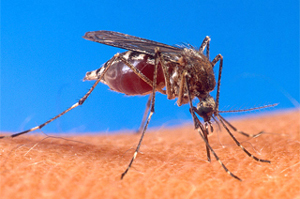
(200, 70)
(206, 108)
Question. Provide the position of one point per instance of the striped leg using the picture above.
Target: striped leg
(205, 43)
(237, 142)
(239, 131)
(80, 102)
(145, 115)
(200, 128)
(157, 54)
(219, 57)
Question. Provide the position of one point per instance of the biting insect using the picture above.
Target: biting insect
(181, 72)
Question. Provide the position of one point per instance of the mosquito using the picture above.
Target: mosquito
(181, 72)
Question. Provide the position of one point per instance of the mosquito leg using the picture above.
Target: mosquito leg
(80, 102)
(237, 143)
(181, 89)
(136, 71)
(219, 57)
(216, 156)
(145, 114)
(150, 114)
(200, 129)
(207, 49)
(196, 120)
(205, 43)
(241, 132)
(139, 144)
(169, 90)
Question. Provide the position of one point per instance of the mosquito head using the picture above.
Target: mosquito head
(206, 108)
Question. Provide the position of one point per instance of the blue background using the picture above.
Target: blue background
(44, 58)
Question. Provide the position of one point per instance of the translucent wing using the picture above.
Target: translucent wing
(129, 42)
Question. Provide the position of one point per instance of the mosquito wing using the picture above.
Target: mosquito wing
(129, 42)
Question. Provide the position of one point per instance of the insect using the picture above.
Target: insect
(181, 72)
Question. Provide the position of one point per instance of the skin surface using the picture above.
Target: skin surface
(172, 163)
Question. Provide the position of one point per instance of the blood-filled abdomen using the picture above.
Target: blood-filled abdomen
(119, 77)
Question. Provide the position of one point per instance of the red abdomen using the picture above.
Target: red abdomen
(119, 77)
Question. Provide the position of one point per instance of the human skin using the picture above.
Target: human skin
(172, 163)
